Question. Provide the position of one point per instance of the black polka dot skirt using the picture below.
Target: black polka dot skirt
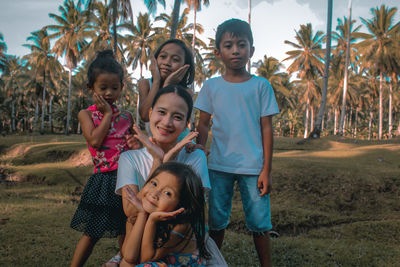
(100, 213)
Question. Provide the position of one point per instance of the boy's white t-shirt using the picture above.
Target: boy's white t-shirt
(134, 167)
(236, 110)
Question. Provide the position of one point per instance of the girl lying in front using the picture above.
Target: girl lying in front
(170, 224)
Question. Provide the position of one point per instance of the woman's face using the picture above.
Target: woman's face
(168, 118)
(161, 193)
(170, 59)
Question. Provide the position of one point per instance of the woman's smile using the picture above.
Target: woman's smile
(168, 118)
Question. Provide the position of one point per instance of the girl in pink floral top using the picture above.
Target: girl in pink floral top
(107, 132)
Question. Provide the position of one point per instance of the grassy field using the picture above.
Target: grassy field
(335, 202)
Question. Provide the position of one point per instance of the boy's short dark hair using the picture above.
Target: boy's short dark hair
(235, 26)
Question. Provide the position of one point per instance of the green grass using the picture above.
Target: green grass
(335, 202)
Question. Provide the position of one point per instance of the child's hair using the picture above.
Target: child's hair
(189, 76)
(236, 27)
(191, 198)
(180, 91)
(104, 63)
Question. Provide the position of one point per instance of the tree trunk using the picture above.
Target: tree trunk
(335, 122)
(355, 124)
(398, 129)
(371, 114)
(114, 25)
(306, 118)
(390, 110)
(69, 103)
(13, 115)
(316, 132)
(380, 105)
(194, 30)
(312, 117)
(345, 80)
(50, 114)
(175, 18)
(35, 121)
(43, 102)
(350, 117)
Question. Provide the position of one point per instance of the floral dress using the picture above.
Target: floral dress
(100, 213)
(177, 259)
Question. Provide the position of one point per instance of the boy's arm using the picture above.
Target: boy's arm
(203, 127)
(264, 179)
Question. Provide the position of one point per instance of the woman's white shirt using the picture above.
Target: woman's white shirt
(134, 167)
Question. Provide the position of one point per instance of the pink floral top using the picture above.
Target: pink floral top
(106, 157)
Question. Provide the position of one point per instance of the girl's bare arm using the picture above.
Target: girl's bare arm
(148, 253)
(94, 135)
(147, 93)
(133, 239)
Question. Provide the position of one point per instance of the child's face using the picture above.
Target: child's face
(161, 193)
(170, 58)
(234, 51)
(168, 118)
(108, 85)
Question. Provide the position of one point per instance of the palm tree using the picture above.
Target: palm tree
(71, 34)
(316, 132)
(196, 6)
(42, 62)
(393, 70)
(214, 65)
(183, 29)
(140, 43)
(152, 5)
(118, 7)
(3, 49)
(11, 77)
(307, 60)
(269, 68)
(104, 38)
(345, 36)
(376, 46)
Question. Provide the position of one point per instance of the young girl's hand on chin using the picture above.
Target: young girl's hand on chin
(102, 105)
(177, 76)
(155, 71)
(158, 216)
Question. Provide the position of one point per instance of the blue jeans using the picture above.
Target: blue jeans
(256, 209)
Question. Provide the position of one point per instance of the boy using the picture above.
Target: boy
(242, 106)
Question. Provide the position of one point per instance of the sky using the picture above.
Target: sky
(272, 21)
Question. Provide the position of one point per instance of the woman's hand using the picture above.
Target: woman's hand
(155, 71)
(148, 142)
(165, 215)
(132, 142)
(177, 76)
(192, 147)
(102, 105)
(173, 152)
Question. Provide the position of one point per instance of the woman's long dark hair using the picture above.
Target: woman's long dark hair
(191, 198)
